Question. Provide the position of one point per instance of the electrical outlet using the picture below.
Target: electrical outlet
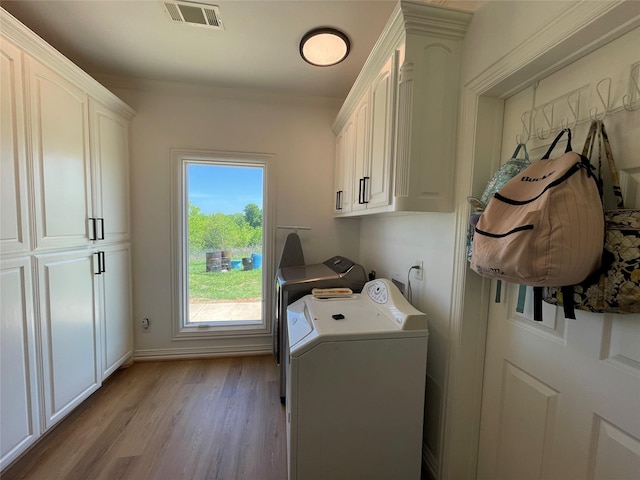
(145, 323)
(419, 270)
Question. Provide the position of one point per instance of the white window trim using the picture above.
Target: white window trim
(181, 330)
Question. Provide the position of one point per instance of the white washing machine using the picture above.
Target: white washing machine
(355, 402)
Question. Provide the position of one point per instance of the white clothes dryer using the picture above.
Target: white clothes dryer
(355, 399)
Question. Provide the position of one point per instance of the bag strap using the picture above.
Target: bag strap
(553, 145)
(524, 147)
(613, 171)
(587, 149)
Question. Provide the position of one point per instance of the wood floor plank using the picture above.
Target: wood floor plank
(201, 419)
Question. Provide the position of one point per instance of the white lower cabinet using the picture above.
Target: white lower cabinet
(115, 308)
(19, 411)
(65, 306)
(69, 330)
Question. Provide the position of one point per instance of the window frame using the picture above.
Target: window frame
(181, 328)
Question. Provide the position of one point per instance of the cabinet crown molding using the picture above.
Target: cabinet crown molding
(15, 31)
(408, 18)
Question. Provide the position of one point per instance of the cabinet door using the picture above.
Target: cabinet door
(344, 169)
(360, 153)
(61, 170)
(14, 227)
(18, 383)
(110, 168)
(69, 331)
(116, 308)
(382, 122)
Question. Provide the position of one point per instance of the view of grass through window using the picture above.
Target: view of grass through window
(224, 242)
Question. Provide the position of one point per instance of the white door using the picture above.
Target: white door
(60, 156)
(19, 412)
(382, 91)
(561, 398)
(344, 169)
(116, 323)
(68, 330)
(110, 169)
(14, 218)
(360, 152)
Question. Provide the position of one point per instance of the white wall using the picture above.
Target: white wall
(296, 131)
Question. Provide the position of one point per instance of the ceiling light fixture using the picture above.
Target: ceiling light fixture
(324, 47)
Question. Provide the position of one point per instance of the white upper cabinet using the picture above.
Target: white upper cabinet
(60, 159)
(344, 169)
(363, 149)
(377, 187)
(410, 83)
(110, 167)
(14, 208)
(360, 153)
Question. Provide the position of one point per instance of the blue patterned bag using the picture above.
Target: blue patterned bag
(506, 172)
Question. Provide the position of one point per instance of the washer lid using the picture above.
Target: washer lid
(298, 322)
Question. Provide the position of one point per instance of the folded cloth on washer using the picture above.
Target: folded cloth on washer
(331, 292)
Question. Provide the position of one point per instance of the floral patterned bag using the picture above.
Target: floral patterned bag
(615, 287)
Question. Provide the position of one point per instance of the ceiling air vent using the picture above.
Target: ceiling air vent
(198, 14)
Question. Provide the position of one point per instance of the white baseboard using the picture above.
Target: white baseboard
(200, 352)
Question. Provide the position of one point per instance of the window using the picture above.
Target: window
(221, 221)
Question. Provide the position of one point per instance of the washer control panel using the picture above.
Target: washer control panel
(377, 291)
(386, 297)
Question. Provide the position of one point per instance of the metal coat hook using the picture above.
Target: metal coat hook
(627, 100)
(575, 111)
(540, 131)
(526, 128)
(604, 99)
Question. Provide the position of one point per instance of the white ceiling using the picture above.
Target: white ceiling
(258, 49)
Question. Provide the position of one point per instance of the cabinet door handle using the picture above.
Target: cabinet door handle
(339, 200)
(360, 191)
(92, 233)
(364, 189)
(104, 263)
(99, 260)
(101, 229)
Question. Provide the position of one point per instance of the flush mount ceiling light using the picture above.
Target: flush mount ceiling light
(324, 47)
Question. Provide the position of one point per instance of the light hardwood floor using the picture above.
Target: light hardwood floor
(206, 419)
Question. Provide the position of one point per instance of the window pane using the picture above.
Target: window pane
(224, 243)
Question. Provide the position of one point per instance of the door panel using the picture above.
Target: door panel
(19, 413)
(59, 122)
(68, 330)
(14, 208)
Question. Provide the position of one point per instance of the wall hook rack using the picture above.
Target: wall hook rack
(549, 121)
(604, 99)
(525, 134)
(628, 99)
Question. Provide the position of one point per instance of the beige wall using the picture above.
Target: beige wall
(296, 131)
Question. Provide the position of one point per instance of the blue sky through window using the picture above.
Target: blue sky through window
(224, 189)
